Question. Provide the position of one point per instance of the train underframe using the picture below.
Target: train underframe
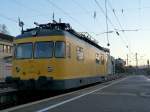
(44, 83)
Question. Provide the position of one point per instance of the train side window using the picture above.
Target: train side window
(59, 49)
(97, 58)
(80, 53)
(68, 50)
(102, 59)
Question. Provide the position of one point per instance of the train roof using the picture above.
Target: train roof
(55, 28)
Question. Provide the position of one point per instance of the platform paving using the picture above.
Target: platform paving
(130, 94)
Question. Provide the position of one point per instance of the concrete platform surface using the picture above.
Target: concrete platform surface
(130, 94)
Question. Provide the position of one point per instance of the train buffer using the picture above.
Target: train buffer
(128, 94)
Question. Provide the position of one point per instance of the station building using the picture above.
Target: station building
(6, 52)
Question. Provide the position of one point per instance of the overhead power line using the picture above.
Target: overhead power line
(65, 13)
(122, 29)
(113, 10)
(109, 20)
(85, 10)
(39, 12)
(106, 15)
(8, 18)
(101, 9)
(24, 6)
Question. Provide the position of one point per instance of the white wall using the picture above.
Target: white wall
(5, 70)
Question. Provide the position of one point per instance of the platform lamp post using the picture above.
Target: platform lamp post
(136, 59)
(148, 63)
(127, 60)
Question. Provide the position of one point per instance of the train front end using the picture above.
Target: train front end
(35, 61)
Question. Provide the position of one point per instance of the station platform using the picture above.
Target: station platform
(129, 94)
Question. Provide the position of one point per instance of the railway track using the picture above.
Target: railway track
(7, 96)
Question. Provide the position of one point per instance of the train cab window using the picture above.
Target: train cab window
(23, 51)
(80, 53)
(97, 58)
(59, 49)
(43, 50)
(68, 50)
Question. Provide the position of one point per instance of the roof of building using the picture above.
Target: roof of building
(6, 37)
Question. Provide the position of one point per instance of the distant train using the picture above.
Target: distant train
(53, 56)
(120, 65)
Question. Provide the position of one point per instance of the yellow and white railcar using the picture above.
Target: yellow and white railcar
(54, 56)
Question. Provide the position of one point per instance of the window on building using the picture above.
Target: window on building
(59, 49)
(1, 48)
(80, 53)
(68, 50)
(43, 49)
(97, 58)
(23, 51)
(4, 48)
(14, 50)
(7, 49)
(11, 48)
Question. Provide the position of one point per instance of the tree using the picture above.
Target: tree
(4, 29)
